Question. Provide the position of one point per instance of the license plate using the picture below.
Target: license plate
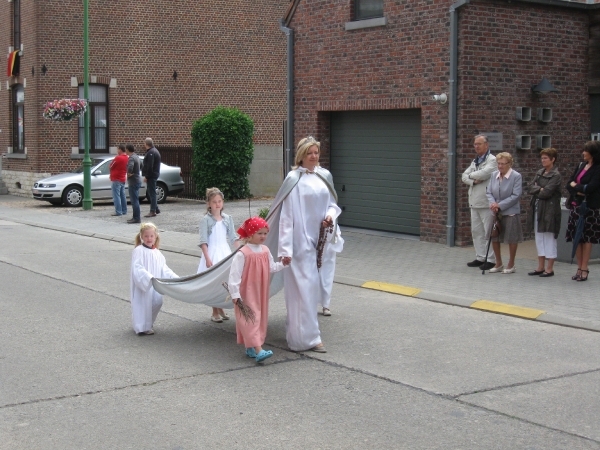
(35, 191)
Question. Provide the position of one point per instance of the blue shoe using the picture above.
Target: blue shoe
(250, 352)
(264, 354)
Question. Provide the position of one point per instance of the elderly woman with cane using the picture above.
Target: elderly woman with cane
(584, 186)
(543, 216)
(504, 193)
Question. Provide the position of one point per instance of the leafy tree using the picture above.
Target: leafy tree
(222, 152)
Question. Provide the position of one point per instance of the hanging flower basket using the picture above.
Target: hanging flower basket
(65, 109)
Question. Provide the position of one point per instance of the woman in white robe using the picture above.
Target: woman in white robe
(309, 205)
(147, 262)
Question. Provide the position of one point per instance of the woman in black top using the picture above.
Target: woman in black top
(584, 184)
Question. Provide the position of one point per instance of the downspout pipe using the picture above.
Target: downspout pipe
(452, 114)
(290, 96)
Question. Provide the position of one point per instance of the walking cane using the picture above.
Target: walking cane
(487, 252)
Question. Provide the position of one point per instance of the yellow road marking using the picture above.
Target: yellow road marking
(393, 288)
(504, 308)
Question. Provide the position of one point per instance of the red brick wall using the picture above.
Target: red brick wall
(504, 51)
(229, 53)
(402, 64)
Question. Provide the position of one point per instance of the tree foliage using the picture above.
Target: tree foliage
(222, 152)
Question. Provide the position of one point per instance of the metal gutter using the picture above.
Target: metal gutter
(452, 113)
(290, 96)
(560, 4)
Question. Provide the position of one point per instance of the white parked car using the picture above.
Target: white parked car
(67, 188)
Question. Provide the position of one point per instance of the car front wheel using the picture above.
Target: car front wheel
(161, 193)
(72, 196)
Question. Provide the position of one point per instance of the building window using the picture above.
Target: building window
(368, 9)
(98, 108)
(18, 104)
(17, 24)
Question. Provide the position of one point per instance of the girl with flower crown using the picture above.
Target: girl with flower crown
(249, 280)
(147, 262)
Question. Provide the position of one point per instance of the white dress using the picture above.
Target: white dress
(302, 213)
(218, 248)
(146, 264)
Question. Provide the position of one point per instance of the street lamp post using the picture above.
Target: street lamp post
(87, 162)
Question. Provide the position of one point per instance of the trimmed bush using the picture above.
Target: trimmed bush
(222, 152)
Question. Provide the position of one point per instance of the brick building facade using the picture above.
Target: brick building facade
(229, 53)
(398, 60)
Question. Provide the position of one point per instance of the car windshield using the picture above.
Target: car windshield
(95, 162)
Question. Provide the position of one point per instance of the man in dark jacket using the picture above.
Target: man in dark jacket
(151, 172)
(134, 182)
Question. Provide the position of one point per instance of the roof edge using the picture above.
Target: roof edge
(291, 9)
(561, 4)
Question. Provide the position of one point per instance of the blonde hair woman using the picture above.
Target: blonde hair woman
(504, 194)
(309, 205)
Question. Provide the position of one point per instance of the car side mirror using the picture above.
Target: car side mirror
(97, 172)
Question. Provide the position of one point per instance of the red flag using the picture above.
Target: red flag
(12, 69)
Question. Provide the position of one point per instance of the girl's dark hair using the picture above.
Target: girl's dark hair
(593, 148)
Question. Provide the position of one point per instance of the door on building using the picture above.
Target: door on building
(376, 167)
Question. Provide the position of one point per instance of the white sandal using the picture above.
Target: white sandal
(326, 312)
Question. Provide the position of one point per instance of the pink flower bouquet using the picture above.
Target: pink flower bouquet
(65, 109)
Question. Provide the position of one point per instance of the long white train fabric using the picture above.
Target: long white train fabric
(206, 287)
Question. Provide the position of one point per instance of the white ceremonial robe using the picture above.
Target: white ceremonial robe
(302, 213)
(327, 270)
(146, 264)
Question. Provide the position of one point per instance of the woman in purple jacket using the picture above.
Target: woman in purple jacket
(585, 184)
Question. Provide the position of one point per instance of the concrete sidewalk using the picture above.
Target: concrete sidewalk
(383, 261)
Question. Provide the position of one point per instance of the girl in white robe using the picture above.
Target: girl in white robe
(308, 206)
(216, 236)
(147, 262)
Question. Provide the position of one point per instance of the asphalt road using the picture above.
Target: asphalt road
(400, 373)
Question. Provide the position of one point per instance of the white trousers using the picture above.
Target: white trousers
(481, 223)
(327, 273)
(545, 243)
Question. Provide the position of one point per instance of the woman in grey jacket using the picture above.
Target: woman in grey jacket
(543, 215)
(504, 193)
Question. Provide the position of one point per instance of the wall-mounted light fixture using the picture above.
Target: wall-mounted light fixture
(441, 98)
(44, 69)
(175, 75)
(543, 86)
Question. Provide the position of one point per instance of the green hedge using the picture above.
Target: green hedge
(223, 151)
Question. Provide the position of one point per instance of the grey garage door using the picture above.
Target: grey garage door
(376, 167)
